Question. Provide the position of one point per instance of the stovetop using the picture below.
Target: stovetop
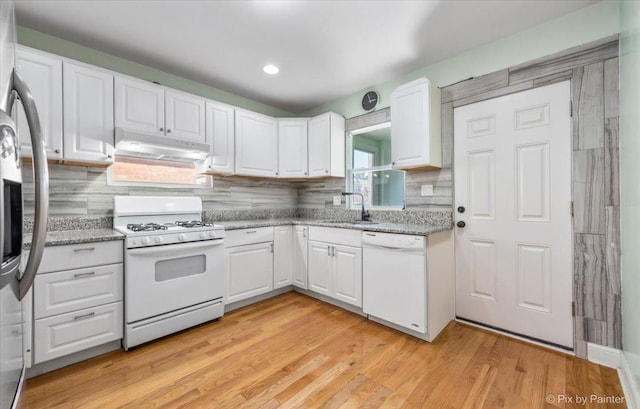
(141, 227)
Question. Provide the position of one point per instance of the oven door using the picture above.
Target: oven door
(162, 279)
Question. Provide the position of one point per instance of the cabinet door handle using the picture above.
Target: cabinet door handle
(161, 129)
(333, 251)
(271, 247)
(79, 275)
(304, 232)
(329, 251)
(84, 316)
(85, 249)
(168, 130)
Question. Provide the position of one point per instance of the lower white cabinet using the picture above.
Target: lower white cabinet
(77, 295)
(72, 332)
(300, 256)
(283, 259)
(249, 263)
(335, 270)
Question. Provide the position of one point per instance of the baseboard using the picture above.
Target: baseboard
(605, 356)
(615, 358)
(629, 385)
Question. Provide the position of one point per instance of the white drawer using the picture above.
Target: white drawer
(66, 291)
(346, 237)
(68, 333)
(57, 258)
(248, 236)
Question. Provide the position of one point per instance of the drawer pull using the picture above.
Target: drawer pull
(80, 275)
(252, 231)
(84, 316)
(84, 249)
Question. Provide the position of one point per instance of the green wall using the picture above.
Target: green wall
(582, 26)
(56, 45)
(630, 186)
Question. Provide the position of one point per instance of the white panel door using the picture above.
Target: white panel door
(292, 148)
(320, 146)
(220, 129)
(256, 144)
(44, 76)
(184, 116)
(300, 256)
(513, 178)
(347, 274)
(250, 271)
(139, 105)
(282, 256)
(88, 114)
(320, 267)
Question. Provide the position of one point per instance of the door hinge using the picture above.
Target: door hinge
(571, 108)
(571, 208)
(573, 308)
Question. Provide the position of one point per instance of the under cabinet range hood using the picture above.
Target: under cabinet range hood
(141, 145)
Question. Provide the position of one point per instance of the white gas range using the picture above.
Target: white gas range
(174, 265)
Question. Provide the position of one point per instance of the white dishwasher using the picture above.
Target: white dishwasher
(394, 282)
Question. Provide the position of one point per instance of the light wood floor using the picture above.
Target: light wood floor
(295, 352)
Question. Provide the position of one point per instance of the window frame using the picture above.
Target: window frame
(349, 169)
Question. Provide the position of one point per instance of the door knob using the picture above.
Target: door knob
(461, 224)
(461, 209)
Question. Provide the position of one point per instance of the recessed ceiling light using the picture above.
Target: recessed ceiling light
(271, 69)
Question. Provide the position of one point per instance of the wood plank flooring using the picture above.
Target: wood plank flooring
(293, 351)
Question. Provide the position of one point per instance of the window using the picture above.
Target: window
(369, 169)
(140, 171)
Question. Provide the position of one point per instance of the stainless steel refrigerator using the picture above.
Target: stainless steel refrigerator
(15, 279)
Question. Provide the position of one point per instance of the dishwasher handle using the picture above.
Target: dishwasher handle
(393, 248)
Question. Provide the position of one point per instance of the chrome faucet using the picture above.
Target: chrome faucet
(365, 214)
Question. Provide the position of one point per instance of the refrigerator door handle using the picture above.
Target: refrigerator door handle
(41, 182)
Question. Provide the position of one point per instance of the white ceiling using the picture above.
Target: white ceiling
(325, 49)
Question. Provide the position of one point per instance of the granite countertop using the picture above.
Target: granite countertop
(384, 227)
(62, 237)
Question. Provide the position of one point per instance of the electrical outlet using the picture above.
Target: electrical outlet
(427, 190)
(337, 200)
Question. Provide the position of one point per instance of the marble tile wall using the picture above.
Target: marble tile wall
(593, 71)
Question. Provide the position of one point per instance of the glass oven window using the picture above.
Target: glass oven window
(176, 268)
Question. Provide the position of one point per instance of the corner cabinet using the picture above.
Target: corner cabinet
(300, 256)
(327, 146)
(415, 126)
(256, 144)
(43, 73)
(292, 147)
(282, 256)
(88, 114)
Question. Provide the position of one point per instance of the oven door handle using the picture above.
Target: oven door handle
(173, 248)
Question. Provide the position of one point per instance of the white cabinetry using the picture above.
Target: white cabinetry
(283, 258)
(43, 73)
(415, 126)
(335, 264)
(326, 145)
(249, 260)
(80, 306)
(88, 114)
(292, 147)
(220, 129)
(139, 106)
(256, 144)
(155, 110)
(300, 256)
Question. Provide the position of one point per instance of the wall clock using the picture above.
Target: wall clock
(370, 100)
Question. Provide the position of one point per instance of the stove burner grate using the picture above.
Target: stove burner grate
(193, 223)
(145, 226)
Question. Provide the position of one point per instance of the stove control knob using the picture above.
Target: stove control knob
(212, 234)
(159, 239)
(134, 242)
(146, 240)
(203, 235)
(182, 237)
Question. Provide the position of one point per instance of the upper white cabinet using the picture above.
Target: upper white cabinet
(326, 145)
(88, 114)
(256, 144)
(292, 147)
(43, 73)
(185, 116)
(415, 125)
(282, 258)
(220, 131)
(139, 106)
(153, 109)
